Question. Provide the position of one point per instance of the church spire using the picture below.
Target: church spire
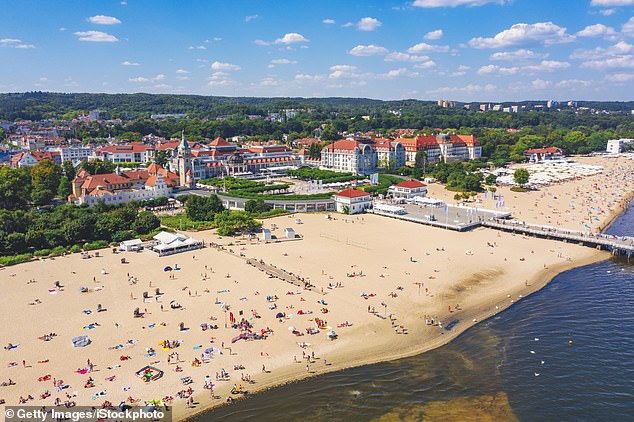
(184, 146)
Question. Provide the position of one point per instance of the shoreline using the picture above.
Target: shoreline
(537, 283)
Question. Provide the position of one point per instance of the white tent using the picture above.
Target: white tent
(170, 243)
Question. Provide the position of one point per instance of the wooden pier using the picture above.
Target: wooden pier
(618, 245)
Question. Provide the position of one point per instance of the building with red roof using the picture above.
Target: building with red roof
(114, 188)
(408, 189)
(352, 201)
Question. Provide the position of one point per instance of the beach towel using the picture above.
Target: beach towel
(52, 291)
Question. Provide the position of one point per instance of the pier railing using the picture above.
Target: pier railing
(616, 244)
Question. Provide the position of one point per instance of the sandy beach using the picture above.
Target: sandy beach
(388, 289)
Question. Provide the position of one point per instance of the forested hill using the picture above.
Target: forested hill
(40, 105)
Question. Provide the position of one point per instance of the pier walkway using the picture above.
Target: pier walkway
(618, 245)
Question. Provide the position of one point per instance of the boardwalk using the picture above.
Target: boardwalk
(270, 270)
(618, 245)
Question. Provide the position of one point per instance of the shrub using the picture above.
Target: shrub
(42, 252)
(14, 259)
(75, 249)
(58, 251)
(97, 244)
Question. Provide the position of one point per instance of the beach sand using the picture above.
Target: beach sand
(408, 273)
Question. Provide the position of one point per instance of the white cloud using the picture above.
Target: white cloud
(368, 50)
(426, 64)
(129, 63)
(62, 29)
(573, 83)
(261, 42)
(159, 77)
(96, 36)
(428, 48)
(103, 20)
(618, 55)
(548, 66)
(619, 77)
(343, 68)
(347, 25)
(251, 18)
(464, 67)
(368, 24)
(182, 71)
(455, 3)
(225, 66)
(395, 73)
(14, 43)
(220, 79)
(458, 73)
(307, 77)
(612, 3)
(497, 70)
(328, 21)
(269, 81)
(628, 27)
(597, 30)
(196, 47)
(540, 84)
(291, 38)
(434, 35)
(283, 61)
(521, 54)
(607, 12)
(404, 57)
(617, 49)
(626, 61)
(140, 79)
(546, 33)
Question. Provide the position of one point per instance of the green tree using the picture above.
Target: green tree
(521, 176)
(15, 188)
(233, 222)
(420, 160)
(98, 166)
(315, 150)
(199, 208)
(256, 206)
(64, 188)
(490, 179)
(329, 134)
(145, 222)
(68, 169)
(45, 177)
(163, 157)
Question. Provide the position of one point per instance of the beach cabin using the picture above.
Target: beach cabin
(352, 201)
(289, 233)
(172, 243)
(408, 189)
(130, 245)
(266, 235)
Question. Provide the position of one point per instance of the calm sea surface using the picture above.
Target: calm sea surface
(522, 357)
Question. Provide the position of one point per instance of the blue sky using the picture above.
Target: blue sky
(467, 50)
